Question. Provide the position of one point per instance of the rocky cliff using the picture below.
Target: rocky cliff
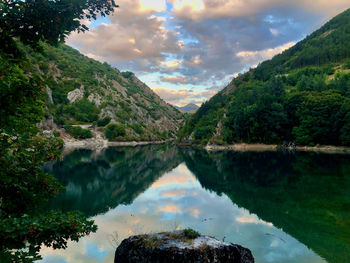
(80, 90)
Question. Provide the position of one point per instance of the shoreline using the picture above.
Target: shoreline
(105, 143)
(244, 147)
(238, 147)
(101, 145)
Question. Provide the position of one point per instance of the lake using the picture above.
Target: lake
(283, 206)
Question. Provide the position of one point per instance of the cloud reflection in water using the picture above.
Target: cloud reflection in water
(177, 200)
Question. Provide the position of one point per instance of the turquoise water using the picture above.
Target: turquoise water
(285, 207)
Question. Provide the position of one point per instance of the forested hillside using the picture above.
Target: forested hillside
(80, 90)
(301, 95)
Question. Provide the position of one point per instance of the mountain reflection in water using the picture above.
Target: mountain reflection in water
(96, 182)
(305, 194)
(284, 207)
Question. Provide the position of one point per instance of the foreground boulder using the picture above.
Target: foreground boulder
(179, 246)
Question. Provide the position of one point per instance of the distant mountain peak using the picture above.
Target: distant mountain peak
(190, 108)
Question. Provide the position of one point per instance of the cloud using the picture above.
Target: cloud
(184, 96)
(203, 9)
(153, 5)
(198, 45)
(254, 57)
(174, 79)
(171, 64)
(209, 57)
(169, 180)
(135, 37)
(174, 193)
(170, 208)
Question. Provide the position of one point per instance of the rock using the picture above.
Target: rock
(95, 98)
(176, 246)
(76, 94)
(47, 124)
(49, 94)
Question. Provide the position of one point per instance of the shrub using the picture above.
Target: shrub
(103, 122)
(82, 110)
(56, 133)
(114, 130)
(127, 74)
(77, 132)
(59, 120)
(161, 135)
(137, 127)
(190, 233)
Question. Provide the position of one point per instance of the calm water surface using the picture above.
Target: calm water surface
(284, 207)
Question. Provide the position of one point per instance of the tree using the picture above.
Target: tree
(24, 226)
(48, 20)
(103, 122)
(113, 131)
(275, 87)
(318, 115)
(25, 223)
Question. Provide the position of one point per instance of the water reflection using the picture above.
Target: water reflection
(97, 181)
(305, 194)
(247, 198)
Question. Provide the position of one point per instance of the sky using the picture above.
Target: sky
(188, 50)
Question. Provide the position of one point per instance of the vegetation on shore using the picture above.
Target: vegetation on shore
(301, 95)
(25, 223)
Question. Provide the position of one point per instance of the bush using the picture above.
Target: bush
(161, 135)
(114, 130)
(56, 133)
(82, 110)
(59, 120)
(190, 233)
(77, 132)
(103, 122)
(347, 64)
(137, 127)
(127, 74)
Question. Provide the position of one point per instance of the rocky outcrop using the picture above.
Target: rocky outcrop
(49, 94)
(76, 94)
(95, 98)
(178, 246)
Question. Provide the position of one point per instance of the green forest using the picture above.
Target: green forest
(301, 96)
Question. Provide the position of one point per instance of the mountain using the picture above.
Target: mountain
(80, 90)
(190, 108)
(301, 95)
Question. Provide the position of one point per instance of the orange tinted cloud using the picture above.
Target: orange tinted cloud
(254, 57)
(183, 96)
(202, 9)
(195, 212)
(168, 180)
(174, 193)
(170, 208)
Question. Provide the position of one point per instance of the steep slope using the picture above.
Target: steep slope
(301, 95)
(81, 90)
